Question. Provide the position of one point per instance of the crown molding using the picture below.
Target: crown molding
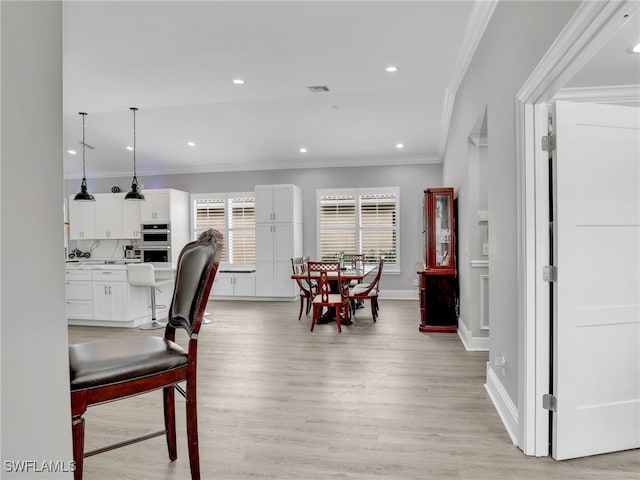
(607, 94)
(479, 140)
(480, 17)
(288, 165)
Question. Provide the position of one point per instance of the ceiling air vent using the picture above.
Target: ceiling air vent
(318, 89)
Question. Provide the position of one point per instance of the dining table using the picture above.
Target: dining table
(347, 275)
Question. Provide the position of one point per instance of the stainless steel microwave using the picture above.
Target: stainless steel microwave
(155, 234)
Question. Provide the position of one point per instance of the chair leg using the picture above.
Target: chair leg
(339, 309)
(170, 421)
(77, 431)
(154, 324)
(374, 309)
(301, 305)
(309, 300)
(192, 427)
(314, 318)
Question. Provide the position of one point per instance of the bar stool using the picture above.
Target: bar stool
(144, 275)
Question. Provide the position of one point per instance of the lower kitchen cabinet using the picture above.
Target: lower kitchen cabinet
(103, 297)
(234, 284)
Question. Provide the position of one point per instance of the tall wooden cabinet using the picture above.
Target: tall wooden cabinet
(437, 276)
(278, 238)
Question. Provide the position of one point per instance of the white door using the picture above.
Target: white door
(596, 329)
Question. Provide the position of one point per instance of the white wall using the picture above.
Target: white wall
(517, 37)
(36, 419)
(412, 180)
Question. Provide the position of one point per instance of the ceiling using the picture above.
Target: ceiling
(176, 61)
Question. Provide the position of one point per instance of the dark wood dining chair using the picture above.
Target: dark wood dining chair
(324, 298)
(354, 261)
(107, 370)
(367, 291)
(307, 287)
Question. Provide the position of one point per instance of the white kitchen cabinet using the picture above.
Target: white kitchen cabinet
(110, 295)
(79, 291)
(234, 284)
(130, 219)
(278, 203)
(278, 238)
(156, 206)
(82, 220)
(276, 244)
(108, 215)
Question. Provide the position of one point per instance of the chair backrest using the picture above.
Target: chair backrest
(354, 260)
(299, 267)
(141, 274)
(376, 281)
(197, 266)
(320, 272)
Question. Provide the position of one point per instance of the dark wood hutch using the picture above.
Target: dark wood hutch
(437, 278)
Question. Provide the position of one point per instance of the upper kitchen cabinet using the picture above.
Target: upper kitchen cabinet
(278, 203)
(156, 206)
(108, 217)
(82, 220)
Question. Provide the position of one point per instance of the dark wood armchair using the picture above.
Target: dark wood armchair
(107, 370)
(324, 273)
(367, 291)
(307, 287)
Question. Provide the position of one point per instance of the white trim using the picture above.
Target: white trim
(471, 343)
(609, 94)
(387, 160)
(506, 409)
(479, 263)
(591, 26)
(484, 301)
(478, 22)
(479, 140)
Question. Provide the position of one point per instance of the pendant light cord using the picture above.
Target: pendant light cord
(135, 177)
(84, 174)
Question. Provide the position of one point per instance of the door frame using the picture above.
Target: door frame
(591, 26)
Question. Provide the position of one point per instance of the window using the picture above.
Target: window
(361, 221)
(233, 214)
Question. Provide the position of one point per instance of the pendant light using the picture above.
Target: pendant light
(134, 193)
(83, 195)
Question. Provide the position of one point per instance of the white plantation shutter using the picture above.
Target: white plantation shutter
(210, 213)
(242, 232)
(359, 221)
(234, 216)
(378, 227)
(337, 218)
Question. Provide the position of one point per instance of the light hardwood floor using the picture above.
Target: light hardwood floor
(378, 401)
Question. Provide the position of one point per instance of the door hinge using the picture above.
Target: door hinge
(549, 402)
(549, 143)
(549, 273)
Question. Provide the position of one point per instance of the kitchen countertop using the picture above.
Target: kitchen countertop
(108, 265)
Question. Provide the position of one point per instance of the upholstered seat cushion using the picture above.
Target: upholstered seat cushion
(104, 362)
(333, 298)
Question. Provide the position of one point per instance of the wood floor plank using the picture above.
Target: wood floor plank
(378, 401)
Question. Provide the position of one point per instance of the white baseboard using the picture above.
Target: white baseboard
(472, 344)
(505, 407)
(399, 294)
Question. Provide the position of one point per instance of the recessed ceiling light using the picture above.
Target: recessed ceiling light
(391, 69)
(303, 150)
(72, 152)
(238, 81)
(399, 145)
(636, 49)
(191, 144)
(129, 147)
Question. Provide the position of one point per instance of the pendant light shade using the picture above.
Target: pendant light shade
(83, 195)
(134, 193)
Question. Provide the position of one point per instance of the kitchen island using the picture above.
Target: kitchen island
(99, 294)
